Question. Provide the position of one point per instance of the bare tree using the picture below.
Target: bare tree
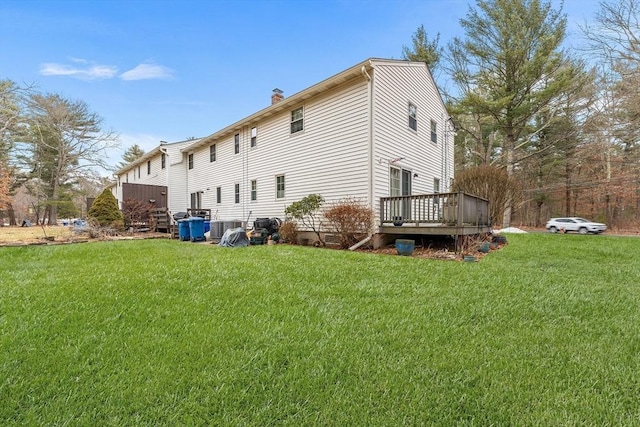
(66, 141)
(614, 37)
(12, 101)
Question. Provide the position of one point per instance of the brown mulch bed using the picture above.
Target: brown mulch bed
(441, 249)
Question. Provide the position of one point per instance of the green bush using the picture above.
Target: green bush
(306, 211)
(105, 212)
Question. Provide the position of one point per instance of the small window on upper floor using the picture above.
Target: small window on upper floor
(434, 131)
(212, 153)
(279, 186)
(254, 137)
(218, 195)
(190, 161)
(237, 193)
(413, 117)
(236, 143)
(138, 171)
(148, 167)
(297, 120)
(163, 161)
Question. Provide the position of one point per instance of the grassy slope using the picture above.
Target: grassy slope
(545, 331)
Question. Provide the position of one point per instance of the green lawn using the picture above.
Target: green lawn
(545, 331)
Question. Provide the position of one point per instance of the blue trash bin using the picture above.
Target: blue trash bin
(196, 229)
(183, 229)
(207, 227)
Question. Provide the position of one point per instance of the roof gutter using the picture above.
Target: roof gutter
(288, 102)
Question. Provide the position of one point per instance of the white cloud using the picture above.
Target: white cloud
(92, 72)
(148, 71)
(80, 60)
(87, 70)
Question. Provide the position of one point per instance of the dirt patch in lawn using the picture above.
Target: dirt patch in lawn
(38, 235)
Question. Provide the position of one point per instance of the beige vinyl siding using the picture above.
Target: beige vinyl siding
(332, 154)
(176, 173)
(328, 157)
(173, 175)
(224, 172)
(395, 87)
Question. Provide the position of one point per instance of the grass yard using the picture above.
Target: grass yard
(545, 331)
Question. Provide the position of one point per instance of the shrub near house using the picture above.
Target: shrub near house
(104, 211)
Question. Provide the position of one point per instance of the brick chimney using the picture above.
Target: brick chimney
(276, 96)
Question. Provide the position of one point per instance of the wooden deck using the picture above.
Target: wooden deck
(438, 214)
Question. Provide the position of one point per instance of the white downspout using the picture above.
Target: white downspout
(167, 165)
(361, 242)
(370, 136)
(370, 160)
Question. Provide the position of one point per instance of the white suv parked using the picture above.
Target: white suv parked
(580, 225)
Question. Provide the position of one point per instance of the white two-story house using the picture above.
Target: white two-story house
(375, 130)
(158, 176)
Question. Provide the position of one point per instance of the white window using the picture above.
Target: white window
(212, 153)
(254, 136)
(237, 193)
(413, 117)
(280, 187)
(218, 195)
(191, 161)
(148, 167)
(434, 131)
(254, 190)
(196, 200)
(236, 141)
(395, 189)
(297, 120)
(163, 161)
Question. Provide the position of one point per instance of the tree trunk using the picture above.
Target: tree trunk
(567, 189)
(53, 207)
(538, 220)
(12, 215)
(508, 206)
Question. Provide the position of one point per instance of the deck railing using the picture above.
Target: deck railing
(458, 209)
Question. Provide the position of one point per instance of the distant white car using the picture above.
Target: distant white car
(580, 225)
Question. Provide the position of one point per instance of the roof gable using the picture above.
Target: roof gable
(312, 91)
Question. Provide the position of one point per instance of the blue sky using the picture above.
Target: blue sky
(168, 70)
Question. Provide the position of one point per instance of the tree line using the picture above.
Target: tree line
(543, 130)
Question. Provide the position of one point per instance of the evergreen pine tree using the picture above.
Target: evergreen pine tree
(105, 212)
